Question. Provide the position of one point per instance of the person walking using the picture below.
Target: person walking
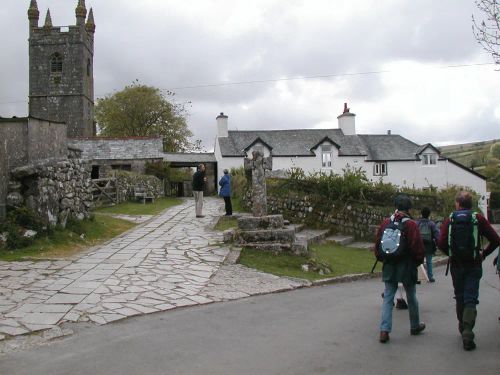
(199, 180)
(460, 239)
(401, 265)
(225, 192)
(430, 235)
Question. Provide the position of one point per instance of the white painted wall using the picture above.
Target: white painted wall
(401, 173)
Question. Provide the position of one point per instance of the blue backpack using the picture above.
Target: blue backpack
(393, 244)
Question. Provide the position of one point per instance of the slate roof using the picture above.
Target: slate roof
(302, 141)
(179, 157)
(118, 148)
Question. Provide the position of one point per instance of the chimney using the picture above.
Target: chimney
(222, 130)
(346, 122)
(389, 132)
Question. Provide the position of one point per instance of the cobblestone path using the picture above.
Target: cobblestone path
(165, 263)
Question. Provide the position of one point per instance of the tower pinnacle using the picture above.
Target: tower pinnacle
(90, 25)
(48, 20)
(33, 13)
(80, 12)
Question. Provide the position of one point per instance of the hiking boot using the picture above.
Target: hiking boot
(431, 280)
(200, 216)
(469, 345)
(384, 337)
(459, 308)
(401, 304)
(469, 321)
(416, 331)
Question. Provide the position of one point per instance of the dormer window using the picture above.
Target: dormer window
(429, 159)
(326, 156)
(56, 63)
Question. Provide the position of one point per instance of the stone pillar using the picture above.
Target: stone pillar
(258, 165)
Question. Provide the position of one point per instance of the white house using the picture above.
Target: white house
(387, 157)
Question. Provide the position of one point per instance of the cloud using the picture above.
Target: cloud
(173, 44)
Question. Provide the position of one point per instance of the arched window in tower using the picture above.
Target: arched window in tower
(88, 67)
(56, 63)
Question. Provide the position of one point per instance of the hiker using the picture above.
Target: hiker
(460, 239)
(496, 263)
(399, 246)
(429, 234)
(199, 180)
(225, 192)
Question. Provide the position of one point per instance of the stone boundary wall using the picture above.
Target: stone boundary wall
(356, 219)
(127, 181)
(55, 190)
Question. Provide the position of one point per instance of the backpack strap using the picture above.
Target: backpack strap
(449, 234)
(475, 233)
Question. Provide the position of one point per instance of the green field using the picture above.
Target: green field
(474, 155)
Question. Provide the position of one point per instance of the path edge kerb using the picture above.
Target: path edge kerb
(360, 276)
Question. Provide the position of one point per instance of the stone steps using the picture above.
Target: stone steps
(307, 237)
(340, 239)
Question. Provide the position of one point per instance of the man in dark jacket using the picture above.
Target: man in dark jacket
(466, 271)
(199, 180)
(403, 270)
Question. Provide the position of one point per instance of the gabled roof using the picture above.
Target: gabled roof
(303, 142)
(324, 140)
(258, 140)
(288, 142)
(428, 145)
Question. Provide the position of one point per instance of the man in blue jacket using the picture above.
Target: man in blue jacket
(225, 192)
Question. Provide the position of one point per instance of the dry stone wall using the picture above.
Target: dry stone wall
(55, 190)
(126, 182)
(356, 219)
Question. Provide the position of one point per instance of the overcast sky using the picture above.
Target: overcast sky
(173, 44)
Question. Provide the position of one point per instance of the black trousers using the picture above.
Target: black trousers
(229, 206)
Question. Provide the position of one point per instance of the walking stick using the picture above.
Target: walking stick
(374, 265)
(447, 267)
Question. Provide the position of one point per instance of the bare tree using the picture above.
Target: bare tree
(487, 30)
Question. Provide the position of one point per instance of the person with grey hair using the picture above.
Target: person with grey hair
(199, 180)
(225, 192)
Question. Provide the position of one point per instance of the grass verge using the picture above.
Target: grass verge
(66, 242)
(137, 208)
(226, 222)
(342, 261)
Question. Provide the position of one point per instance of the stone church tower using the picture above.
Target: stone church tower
(61, 79)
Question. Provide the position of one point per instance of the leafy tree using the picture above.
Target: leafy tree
(487, 30)
(140, 110)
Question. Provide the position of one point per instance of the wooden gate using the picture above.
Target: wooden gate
(104, 191)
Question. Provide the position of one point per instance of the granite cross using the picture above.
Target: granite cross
(258, 164)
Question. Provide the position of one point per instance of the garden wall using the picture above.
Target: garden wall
(127, 181)
(55, 190)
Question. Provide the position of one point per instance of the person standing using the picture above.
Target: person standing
(430, 235)
(460, 239)
(225, 192)
(199, 180)
(402, 268)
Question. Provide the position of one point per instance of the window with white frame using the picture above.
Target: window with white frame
(326, 156)
(380, 169)
(429, 159)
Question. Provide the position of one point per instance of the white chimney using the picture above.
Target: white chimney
(222, 130)
(346, 122)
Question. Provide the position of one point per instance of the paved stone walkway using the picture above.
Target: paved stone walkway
(165, 263)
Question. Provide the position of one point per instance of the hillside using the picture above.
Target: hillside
(475, 155)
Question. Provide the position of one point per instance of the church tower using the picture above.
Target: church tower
(61, 70)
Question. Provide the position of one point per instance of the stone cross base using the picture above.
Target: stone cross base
(268, 233)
